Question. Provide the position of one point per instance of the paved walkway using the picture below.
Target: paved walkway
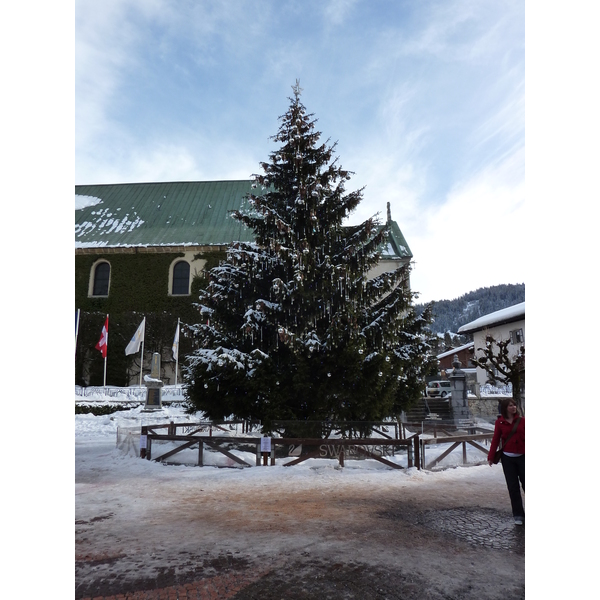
(478, 527)
(220, 587)
(149, 532)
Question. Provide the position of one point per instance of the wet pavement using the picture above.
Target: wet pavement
(309, 574)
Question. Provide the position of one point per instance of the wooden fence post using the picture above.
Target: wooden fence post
(417, 447)
(144, 433)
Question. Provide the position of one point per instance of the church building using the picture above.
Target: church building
(141, 251)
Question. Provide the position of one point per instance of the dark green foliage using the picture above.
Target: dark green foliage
(139, 283)
(450, 315)
(292, 329)
(138, 289)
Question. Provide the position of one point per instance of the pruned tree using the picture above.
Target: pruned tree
(503, 366)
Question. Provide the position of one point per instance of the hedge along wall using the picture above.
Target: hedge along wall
(138, 289)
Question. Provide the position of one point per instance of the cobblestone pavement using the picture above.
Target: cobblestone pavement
(218, 587)
(220, 578)
(457, 535)
(478, 526)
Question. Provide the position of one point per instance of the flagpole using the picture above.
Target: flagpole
(106, 357)
(77, 328)
(141, 363)
(177, 355)
(142, 353)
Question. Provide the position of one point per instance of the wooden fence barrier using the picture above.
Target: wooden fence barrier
(454, 441)
(375, 448)
(301, 449)
(435, 426)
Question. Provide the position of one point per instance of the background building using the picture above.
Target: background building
(505, 324)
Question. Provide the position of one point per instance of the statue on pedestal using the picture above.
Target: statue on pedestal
(154, 385)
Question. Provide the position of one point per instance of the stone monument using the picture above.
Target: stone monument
(460, 405)
(154, 385)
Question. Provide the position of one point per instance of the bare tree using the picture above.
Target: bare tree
(502, 366)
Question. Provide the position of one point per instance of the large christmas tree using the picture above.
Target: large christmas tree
(292, 328)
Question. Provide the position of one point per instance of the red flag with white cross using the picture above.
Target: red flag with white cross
(102, 345)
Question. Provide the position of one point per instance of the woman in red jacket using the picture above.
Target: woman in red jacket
(513, 454)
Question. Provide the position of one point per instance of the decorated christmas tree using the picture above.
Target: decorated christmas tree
(292, 328)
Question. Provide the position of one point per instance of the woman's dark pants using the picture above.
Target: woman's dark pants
(514, 472)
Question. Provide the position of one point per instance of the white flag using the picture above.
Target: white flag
(176, 342)
(137, 339)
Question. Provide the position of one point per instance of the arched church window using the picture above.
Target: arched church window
(101, 279)
(181, 278)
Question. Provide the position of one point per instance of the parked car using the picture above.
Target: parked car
(438, 388)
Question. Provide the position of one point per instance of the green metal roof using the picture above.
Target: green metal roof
(161, 214)
(174, 214)
(397, 246)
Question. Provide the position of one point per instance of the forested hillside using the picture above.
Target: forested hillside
(449, 315)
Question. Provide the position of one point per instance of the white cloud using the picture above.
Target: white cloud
(462, 30)
(386, 179)
(179, 160)
(337, 11)
(102, 56)
(475, 239)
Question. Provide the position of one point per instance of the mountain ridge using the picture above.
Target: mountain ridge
(450, 315)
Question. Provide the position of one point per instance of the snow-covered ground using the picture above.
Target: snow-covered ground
(142, 516)
(97, 459)
(41, 468)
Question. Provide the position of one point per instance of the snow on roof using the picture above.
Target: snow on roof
(455, 350)
(511, 313)
(82, 201)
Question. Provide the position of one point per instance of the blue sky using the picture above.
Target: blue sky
(425, 99)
